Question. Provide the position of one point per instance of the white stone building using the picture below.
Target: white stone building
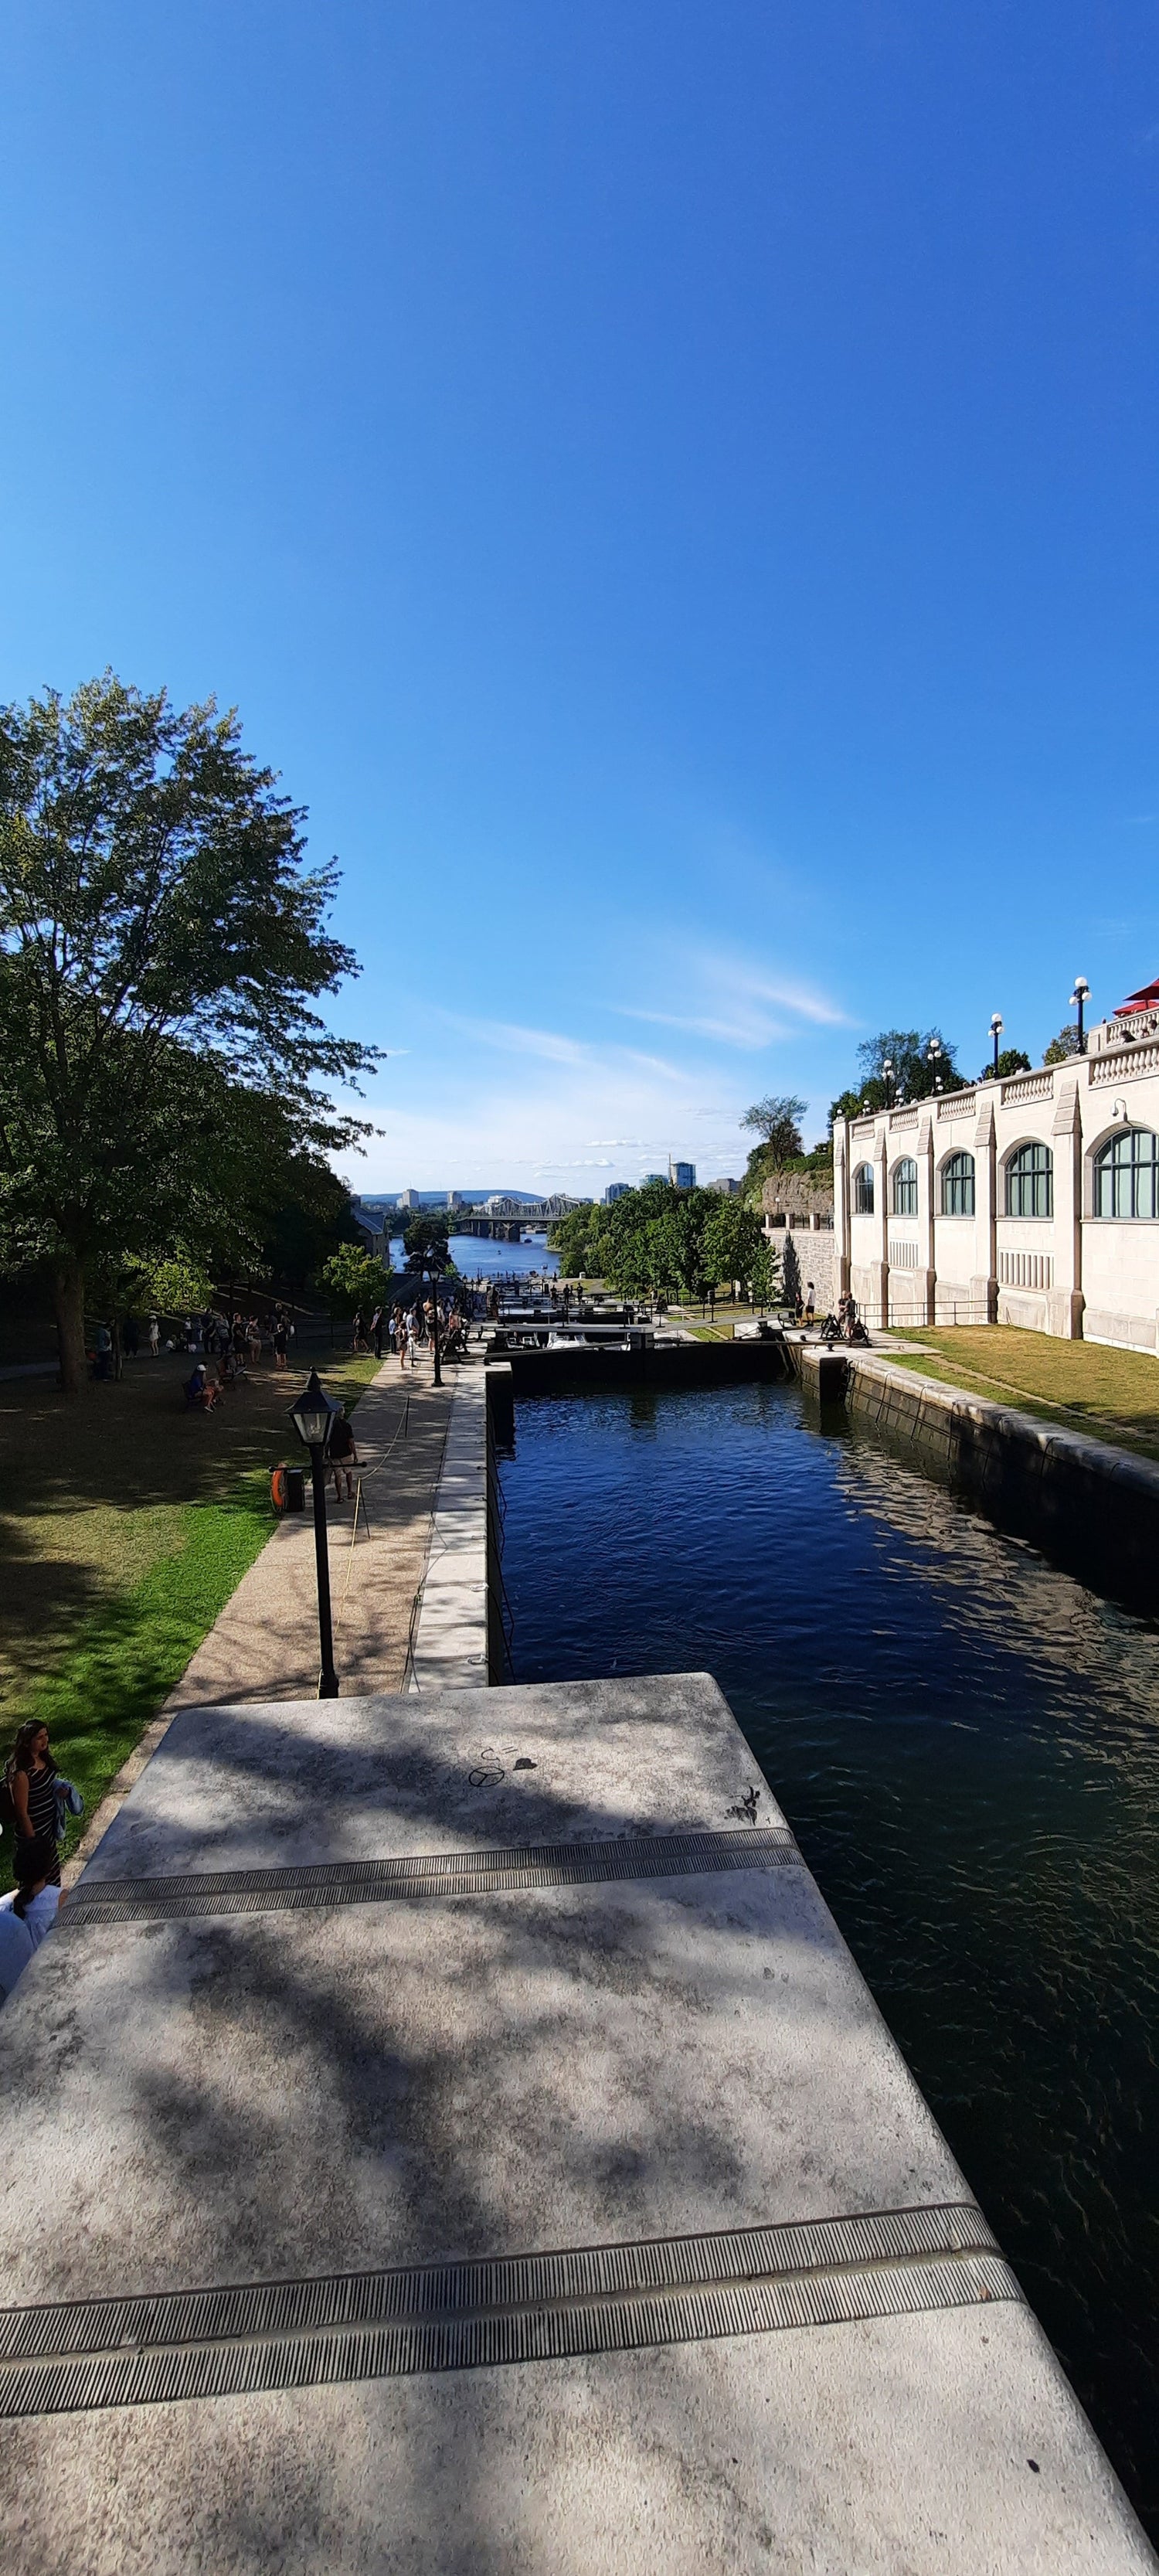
(1033, 1201)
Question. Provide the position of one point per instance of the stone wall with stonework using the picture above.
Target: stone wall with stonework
(798, 1221)
(797, 1194)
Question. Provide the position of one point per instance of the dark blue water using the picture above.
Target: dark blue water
(479, 1256)
(966, 1743)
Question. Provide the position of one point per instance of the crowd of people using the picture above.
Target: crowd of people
(232, 1349)
(407, 1329)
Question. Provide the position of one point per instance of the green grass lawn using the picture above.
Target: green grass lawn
(1113, 1394)
(128, 1522)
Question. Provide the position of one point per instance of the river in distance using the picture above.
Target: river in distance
(966, 1743)
(478, 1256)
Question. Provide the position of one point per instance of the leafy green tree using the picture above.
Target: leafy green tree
(177, 1286)
(777, 1121)
(161, 946)
(1010, 1061)
(426, 1244)
(579, 1239)
(735, 1246)
(1063, 1046)
(914, 1074)
(353, 1280)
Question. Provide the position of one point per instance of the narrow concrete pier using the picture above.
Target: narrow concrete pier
(449, 2133)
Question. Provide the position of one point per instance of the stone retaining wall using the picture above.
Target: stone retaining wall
(1091, 1506)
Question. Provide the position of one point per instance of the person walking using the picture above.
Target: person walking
(29, 1912)
(30, 1777)
(342, 1455)
(376, 1331)
(359, 1331)
(281, 1342)
(412, 1335)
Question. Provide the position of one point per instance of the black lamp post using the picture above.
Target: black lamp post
(312, 1417)
(1081, 995)
(934, 1059)
(996, 1032)
(887, 1075)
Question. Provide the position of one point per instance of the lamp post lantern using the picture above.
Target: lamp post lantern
(312, 1417)
(934, 1060)
(996, 1032)
(887, 1075)
(1081, 995)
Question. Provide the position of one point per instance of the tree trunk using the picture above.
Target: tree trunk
(68, 1289)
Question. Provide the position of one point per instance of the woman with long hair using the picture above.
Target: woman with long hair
(30, 1779)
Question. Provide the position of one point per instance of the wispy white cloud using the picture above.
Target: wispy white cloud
(510, 1038)
(734, 1001)
(726, 1032)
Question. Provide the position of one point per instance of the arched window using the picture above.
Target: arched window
(905, 1187)
(863, 1190)
(958, 1185)
(1127, 1175)
(1030, 1182)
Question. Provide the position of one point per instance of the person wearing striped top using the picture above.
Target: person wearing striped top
(30, 1778)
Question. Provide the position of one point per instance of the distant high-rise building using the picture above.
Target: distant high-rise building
(681, 1175)
(410, 1198)
(617, 1190)
(727, 1189)
(454, 1198)
(649, 1177)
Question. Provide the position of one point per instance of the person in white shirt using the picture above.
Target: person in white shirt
(29, 1912)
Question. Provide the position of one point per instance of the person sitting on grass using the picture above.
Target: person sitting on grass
(342, 1456)
(29, 1912)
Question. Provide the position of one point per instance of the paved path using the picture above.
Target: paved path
(264, 1644)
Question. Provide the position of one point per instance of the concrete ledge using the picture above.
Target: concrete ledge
(638, 2250)
(449, 1650)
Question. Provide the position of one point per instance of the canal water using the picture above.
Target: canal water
(966, 1743)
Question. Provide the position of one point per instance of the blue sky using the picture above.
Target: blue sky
(671, 487)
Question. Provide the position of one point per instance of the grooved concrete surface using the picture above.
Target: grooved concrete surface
(255, 2098)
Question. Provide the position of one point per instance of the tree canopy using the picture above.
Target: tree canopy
(354, 1279)
(162, 946)
(662, 1239)
(1063, 1046)
(915, 1071)
(777, 1121)
(1011, 1060)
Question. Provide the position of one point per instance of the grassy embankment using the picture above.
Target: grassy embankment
(128, 1522)
(1085, 1386)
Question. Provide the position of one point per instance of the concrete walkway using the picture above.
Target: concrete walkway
(450, 2134)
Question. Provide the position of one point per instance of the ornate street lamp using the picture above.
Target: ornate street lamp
(996, 1032)
(933, 1059)
(1081, 995)
(887, 1071)
(313, 1416)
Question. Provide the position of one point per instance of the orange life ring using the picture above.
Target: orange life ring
(278, 1489)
